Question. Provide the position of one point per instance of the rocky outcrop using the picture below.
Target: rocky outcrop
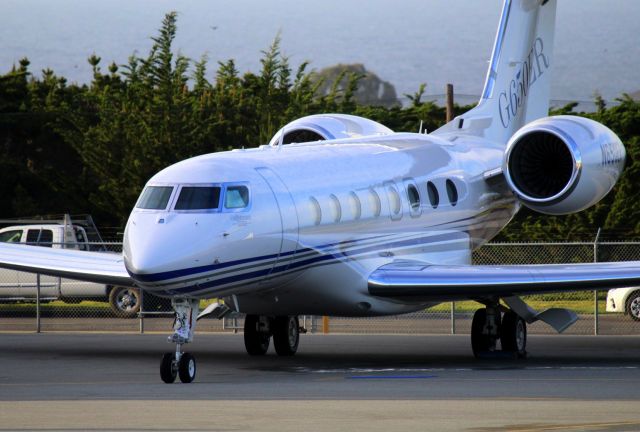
(371, 89)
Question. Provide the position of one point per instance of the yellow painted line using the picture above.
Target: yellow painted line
(576, 426)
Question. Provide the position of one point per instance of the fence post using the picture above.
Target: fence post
(38, 327)
(449, 102)
(595, 292)
(453, 318)
(141, 313)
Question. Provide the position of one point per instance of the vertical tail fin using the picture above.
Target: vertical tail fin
(517, 86)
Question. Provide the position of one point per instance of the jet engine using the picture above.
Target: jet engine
(563, 164)
(322, 127)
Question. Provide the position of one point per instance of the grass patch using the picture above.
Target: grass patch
(578, 306)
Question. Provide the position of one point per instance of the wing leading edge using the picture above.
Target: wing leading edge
(100, 267)
(420, 281)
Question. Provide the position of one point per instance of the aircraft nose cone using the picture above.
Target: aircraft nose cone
(140, 263)
(154, 251)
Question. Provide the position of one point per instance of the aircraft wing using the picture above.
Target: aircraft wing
(411, 280)
(100, 267)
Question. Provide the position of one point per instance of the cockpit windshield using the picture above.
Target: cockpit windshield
(198, 198)
(236, 197)
(155, 198)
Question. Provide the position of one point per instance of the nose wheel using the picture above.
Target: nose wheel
(171, 367)
(178, 363)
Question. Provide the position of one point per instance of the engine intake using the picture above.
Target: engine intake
(541, 165)
(322, 127)
(564, 164)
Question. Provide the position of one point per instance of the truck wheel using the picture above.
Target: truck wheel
(125, 302)
(633, 306)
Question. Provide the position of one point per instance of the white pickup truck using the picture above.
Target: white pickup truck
(18, 286)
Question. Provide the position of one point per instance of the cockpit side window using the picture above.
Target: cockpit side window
(198, 198)
(155, 198)
(236, 197)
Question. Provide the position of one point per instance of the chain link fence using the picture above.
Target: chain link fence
(65, 305)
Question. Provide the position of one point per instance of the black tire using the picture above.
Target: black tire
(255, 341)
(125, 301)
(480, 343)
(286, 335)
(633, 306)
(167, 372)
(187, 368)
(513, 334)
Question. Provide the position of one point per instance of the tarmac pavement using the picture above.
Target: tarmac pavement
(71, 381)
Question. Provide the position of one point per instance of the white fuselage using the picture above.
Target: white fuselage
(321, 217)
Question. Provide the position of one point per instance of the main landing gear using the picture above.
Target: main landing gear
(490, 325)
(258, 330)
(180, 363)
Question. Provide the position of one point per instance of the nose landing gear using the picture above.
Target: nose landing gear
(180, 363)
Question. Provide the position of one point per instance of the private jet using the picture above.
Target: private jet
(340, 216)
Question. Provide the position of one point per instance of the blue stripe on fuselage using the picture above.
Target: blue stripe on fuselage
(314, 260)
(175, 274)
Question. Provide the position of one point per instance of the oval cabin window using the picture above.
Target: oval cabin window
(414, 198)
(336, 210)
(394, 200)
(434, 197)
(374, 202)
(354, 204)
(452, 192)
(316, 211)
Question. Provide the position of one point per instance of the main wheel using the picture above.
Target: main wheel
(513, 335)
(286, 335)
(168, 370)
(187, 368)
(124, 301)
(480, 343)
(255, 341)
(633, 306)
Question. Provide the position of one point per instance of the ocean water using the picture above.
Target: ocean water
(406, 42)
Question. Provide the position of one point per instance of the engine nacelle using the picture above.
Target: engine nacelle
(563, 164)
(323, 127)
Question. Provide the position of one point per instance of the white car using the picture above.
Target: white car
(625, 300)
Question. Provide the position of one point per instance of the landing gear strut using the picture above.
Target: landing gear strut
(490, 326)
(259, 329)
(180, 363)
